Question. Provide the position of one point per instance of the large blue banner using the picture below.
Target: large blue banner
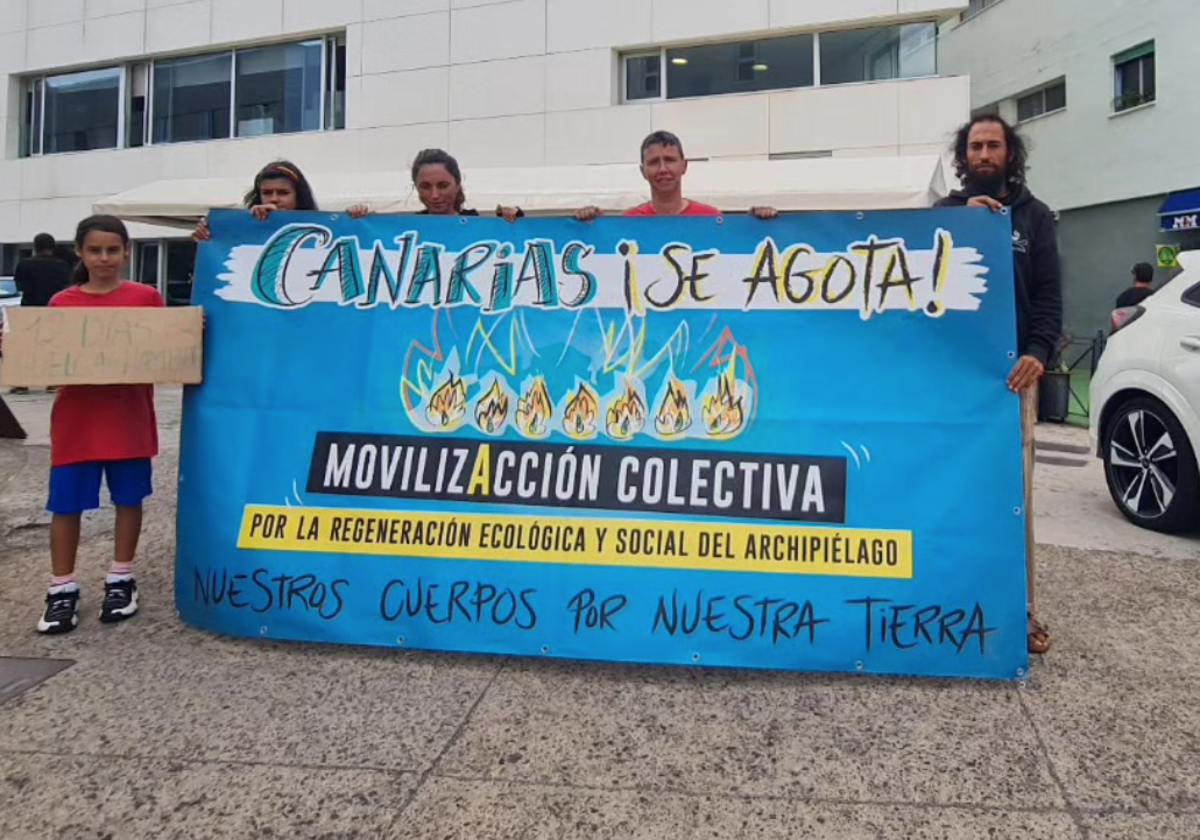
(714, 441)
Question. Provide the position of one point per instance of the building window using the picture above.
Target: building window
(73, 112)
(279, 89)
(792, 61)
(137, 119)
(180, 262)
(335, 83)
(883, 52)
(262, 90)
(643, 76)
(145, 263)
(767, 64)
(1134, 77)
(192, 98)
(974, 7)
(1045, 101)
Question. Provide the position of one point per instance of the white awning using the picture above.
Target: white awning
(879, 183)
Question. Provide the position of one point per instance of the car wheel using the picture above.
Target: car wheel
(1151, 468)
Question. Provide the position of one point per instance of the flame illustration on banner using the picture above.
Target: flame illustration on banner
(674, 414)
(626, 415)
(534, 410)
(723, 412)
(491, 412)
(582, 413)
(448, 406)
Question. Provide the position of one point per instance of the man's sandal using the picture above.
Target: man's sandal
(1038, 636)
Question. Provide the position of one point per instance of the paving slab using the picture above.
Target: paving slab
(333, 708)
(1114, 701)
(63, 797)
(1143, 827)
(450, 809)
(751, 733)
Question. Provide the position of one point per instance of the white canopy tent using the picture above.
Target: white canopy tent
(814, 184)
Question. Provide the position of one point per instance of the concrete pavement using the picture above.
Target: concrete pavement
(160, 731)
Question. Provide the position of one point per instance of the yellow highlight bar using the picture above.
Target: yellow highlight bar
(650, 544)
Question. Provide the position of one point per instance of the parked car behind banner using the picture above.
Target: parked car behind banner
(1145, 413)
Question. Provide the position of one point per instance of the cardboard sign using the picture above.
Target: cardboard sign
(102, 346)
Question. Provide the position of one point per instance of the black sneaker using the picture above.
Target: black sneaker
(120, 601)
(61, 614)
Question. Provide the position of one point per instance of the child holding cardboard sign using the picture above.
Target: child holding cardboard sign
(99, 431)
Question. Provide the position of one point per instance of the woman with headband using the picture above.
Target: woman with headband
(279, 186)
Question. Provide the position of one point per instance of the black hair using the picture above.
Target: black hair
(662, 138)
(1018, 150)
(287, 171)
(439, 157)
(98, 224)
(1143, 273)
(43, 242)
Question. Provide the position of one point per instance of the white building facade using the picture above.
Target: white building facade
(105, 95)
(1107, 94)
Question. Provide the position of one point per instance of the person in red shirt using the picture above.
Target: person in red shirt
(99, 431)
(663, 166)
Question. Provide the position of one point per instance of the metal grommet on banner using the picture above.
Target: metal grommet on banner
(262, 631)
(860, 215)
(695, 657)
(1016, 511)
(400, 640)
(1003, 211)
(860, 666)
(1012, 354)
(333, 217)
(462, 220)
(545, 649)
(720, 220)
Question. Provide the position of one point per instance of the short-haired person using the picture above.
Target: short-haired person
(41, 277)
(1142, 288)
(663, 165)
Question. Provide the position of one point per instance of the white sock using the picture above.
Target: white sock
(73, 586)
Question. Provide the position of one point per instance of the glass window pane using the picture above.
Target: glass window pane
(31, 118)
(82, 111)
(1029, 107)
(279, 89)
(1128, 79)
(1148, 81)
(643, 77)
(882, 52)
(191, 98)
(1056, 97)
(767, 64)
(335, 106)
(147, 263)
(181, 259)
(138, 88)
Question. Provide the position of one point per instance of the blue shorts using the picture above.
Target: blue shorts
(75, 488)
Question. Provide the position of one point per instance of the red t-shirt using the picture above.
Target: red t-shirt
(104, 422)
(694, 208)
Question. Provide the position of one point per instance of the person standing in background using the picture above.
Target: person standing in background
(1143, 277)
(41, 277)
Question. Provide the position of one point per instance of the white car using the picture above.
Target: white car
(1145, 415)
